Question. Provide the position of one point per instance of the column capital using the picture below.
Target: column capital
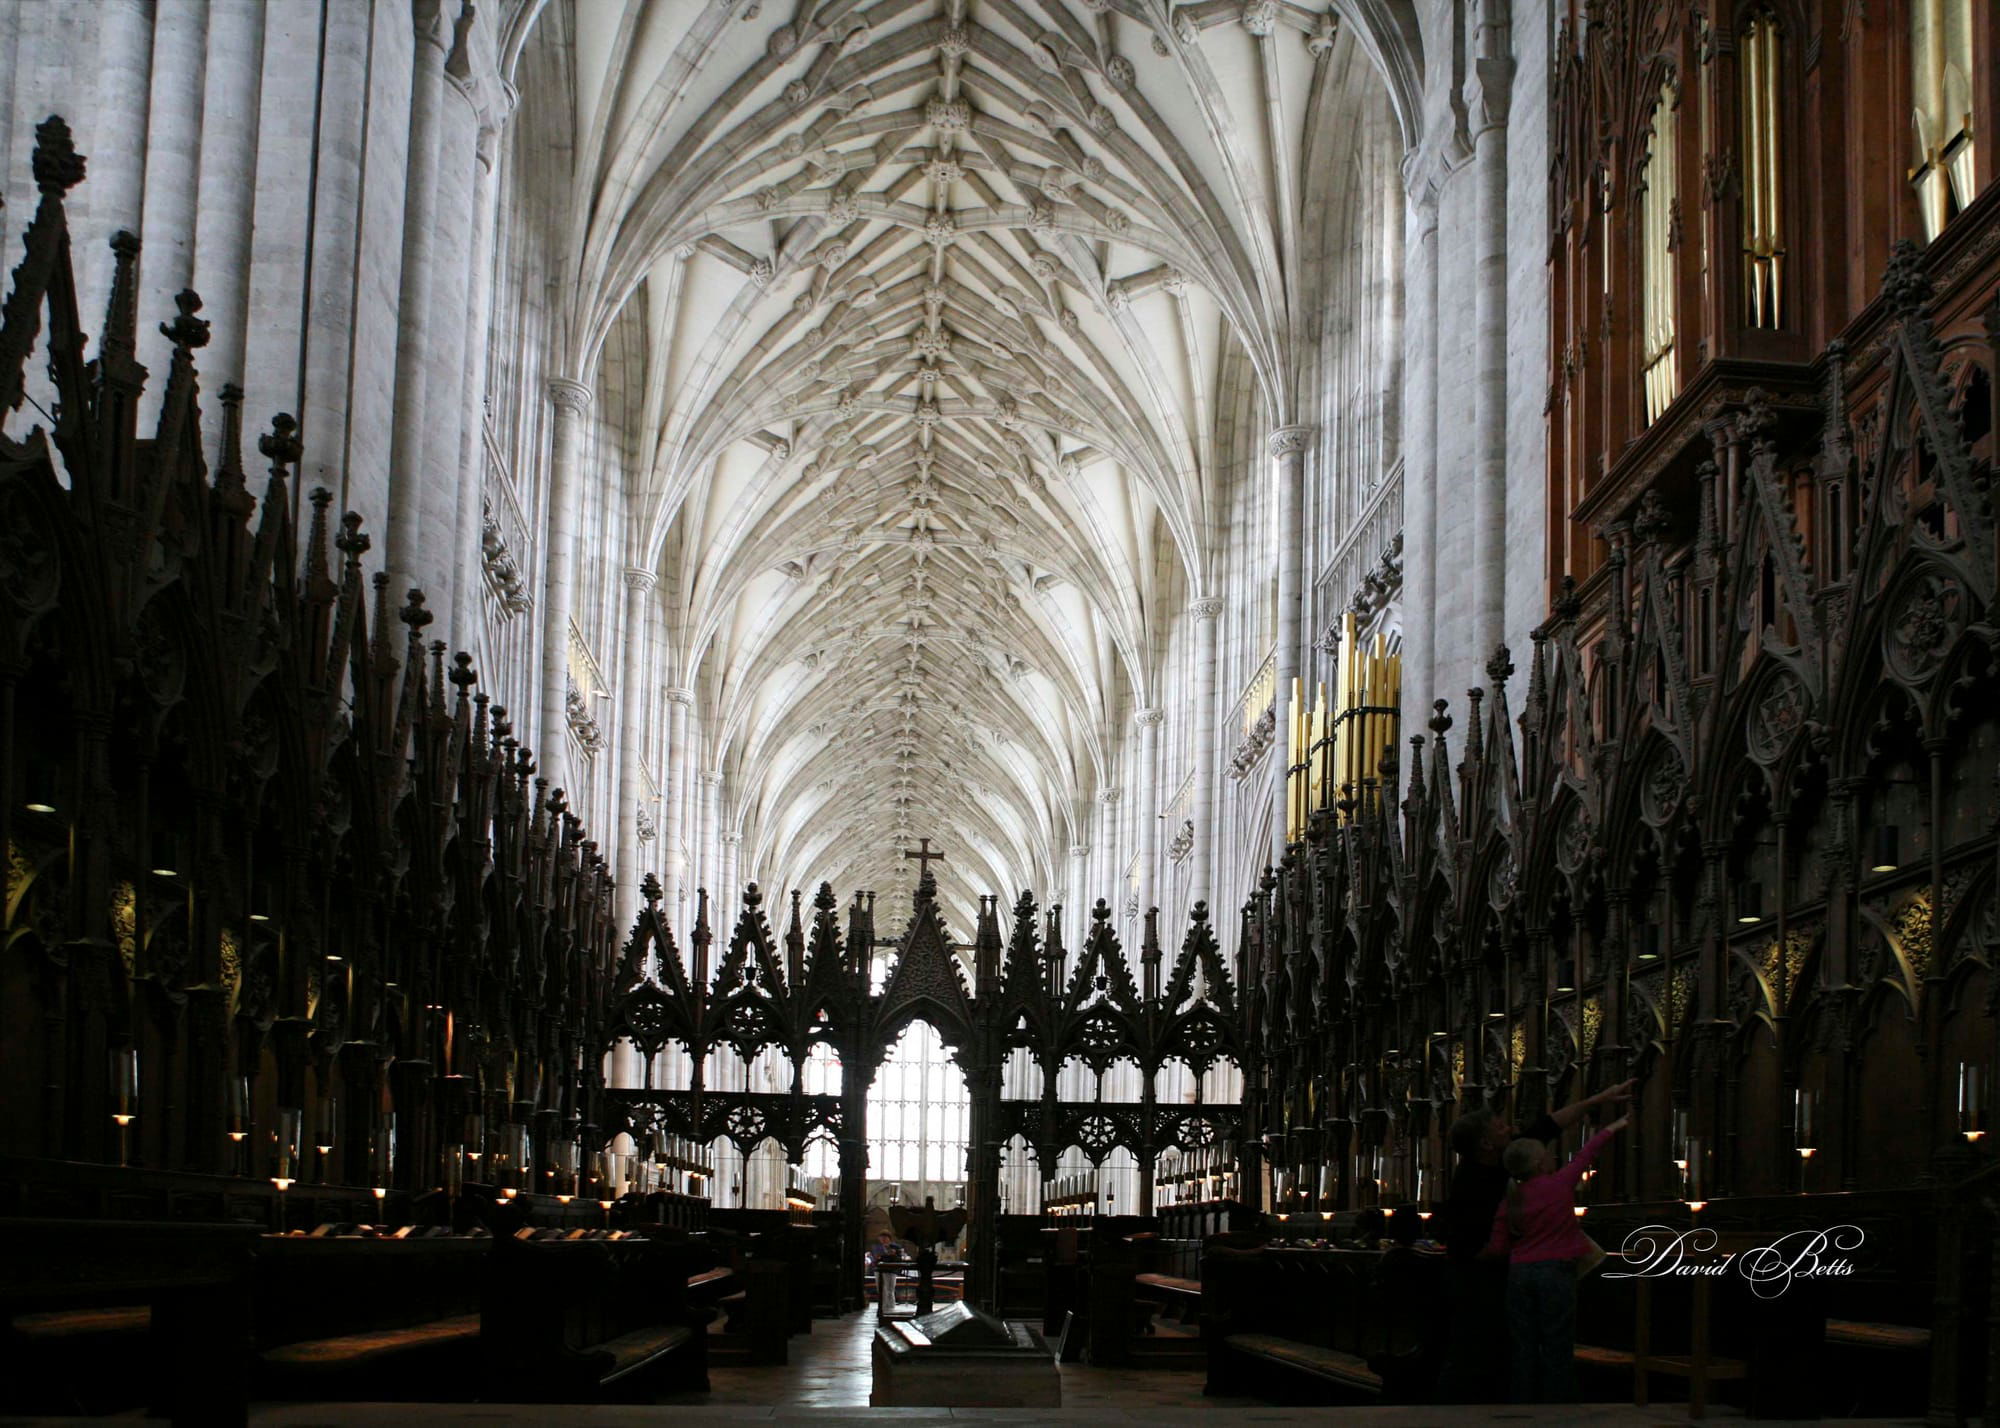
(637, 577)
(1148, 718)
(678, 695)
(1079, 850)
(1289, 440)
(710, 778)
(1110, 795)
(569, 396)
(1205, 608)
(732, 840)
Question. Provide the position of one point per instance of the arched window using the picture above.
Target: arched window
(1656, 240)
(1941, 108)
(1758, 56)
(919, 1114)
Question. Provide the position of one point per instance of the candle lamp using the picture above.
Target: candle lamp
(1695, 1178)
(1805, 1130)
(124, 1095)
(1972, 1097)
(291, 1123)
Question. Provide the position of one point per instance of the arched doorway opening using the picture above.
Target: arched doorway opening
(919, 1126)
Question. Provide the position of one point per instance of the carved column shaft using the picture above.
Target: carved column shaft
(1206, 611)
(223, 198)
(401, 557)
(466, 604)
(572, 400)
(674, 830)
(172, 146)
(1288, 451)
(708, 871)
(1420, 463)
(1488, 90)
(1147, 839)
(631, 738)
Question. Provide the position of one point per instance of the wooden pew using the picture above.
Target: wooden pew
(343, 1318)
(192, 1282)
(1336, 1326)
(574, 1321)
(1137, 1305)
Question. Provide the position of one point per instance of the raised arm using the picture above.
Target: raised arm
(1610, 1096)
(1580, 1162)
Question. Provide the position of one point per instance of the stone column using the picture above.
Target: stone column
(223, 196)
(572, 400)
(631, 734)
(457, 207)
(1420, 462)
(673, 828)
(466, 605)
(1288, 450)
(1206, 612)
(1147, 836)
(10, 49)
(172, 149)
(402, 557)
(1079, 899)
(731, 853)
(1488, 90)
(113, 139)
(708, 867)
(1111, 860)
(325, 203)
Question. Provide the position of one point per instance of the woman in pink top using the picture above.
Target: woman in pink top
(1536, 1229)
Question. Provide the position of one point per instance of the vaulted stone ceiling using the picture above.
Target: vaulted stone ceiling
(936, 295)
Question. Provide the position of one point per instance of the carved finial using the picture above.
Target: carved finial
(187, 332)
(351, 542)
(650, 890)
(229, 472)
(1199, 913)
(1500, 668)
(58, 166)
(121, 312)
(282, 443)
(316, 564)
(1439, 720)
(1905, 284)
(463, 676)
(414, 614)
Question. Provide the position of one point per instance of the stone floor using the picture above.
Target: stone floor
(828, 1379)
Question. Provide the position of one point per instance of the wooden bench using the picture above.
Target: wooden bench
(572, 1321)
(1175, 1300)
(80, 1285)
(1341, 1325)
(347, 1319)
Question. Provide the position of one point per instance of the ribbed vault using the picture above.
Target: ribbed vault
(936, 293)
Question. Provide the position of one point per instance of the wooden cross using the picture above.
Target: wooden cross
(923, 856)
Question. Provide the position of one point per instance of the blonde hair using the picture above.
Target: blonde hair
(1522, 1160)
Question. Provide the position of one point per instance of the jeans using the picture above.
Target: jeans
(1541, 1308)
